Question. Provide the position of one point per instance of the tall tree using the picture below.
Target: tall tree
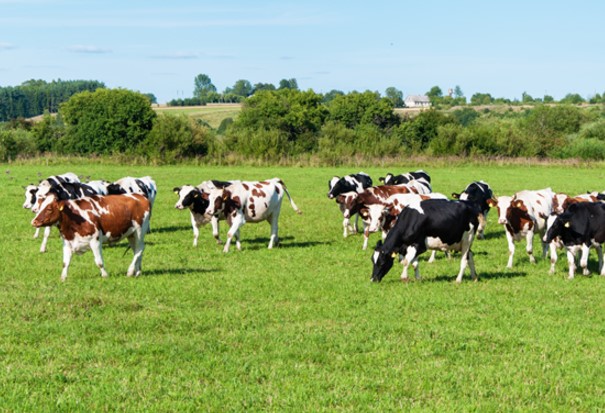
(288, 84)
(394, 95)
(203, 86)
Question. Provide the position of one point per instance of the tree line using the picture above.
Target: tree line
(34, 97)
(289, 125)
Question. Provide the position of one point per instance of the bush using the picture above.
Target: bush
(176, 137)
(15, 143)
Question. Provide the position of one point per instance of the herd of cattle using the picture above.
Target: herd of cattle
(411, 217)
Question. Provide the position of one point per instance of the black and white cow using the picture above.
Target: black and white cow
(128, 185)
(436, 224)
(353, 183)
(480, 193)
(580, 227)
(195, 198)
(419, 175)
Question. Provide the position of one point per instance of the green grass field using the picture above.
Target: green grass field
(211, 113)
(300, 327)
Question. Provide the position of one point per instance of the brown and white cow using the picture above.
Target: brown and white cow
(523, 215)
(249, 201)
(88, 222)
(352, 202)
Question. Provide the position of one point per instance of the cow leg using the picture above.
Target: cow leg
(236, 224)
(600, 256)
(407, 260)
(366, 237)
(432, 257)
(511, 249)
(67, 253)
(416, 268)
(553, 257)
(238, 244)
(584, 259)
(45, 239)
(137, 244)
(37, 233)
(471, 264)
(465, 251)
(273, 220)
(345, 226)
(571, 261)
(214, 223)
(529, 246)
(196, 230)
(97, 249)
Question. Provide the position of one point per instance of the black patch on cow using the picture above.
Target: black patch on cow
(579, 224)
(342, 186)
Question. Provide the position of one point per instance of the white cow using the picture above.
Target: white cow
(523, 215)
(248, 201)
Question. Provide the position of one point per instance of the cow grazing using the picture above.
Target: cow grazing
(436, 224)
(247, 201)
(581, 226)
(355, 183)
(523, 215)
(480, 193)
(88, 222)
(379, 204)
(195, 198)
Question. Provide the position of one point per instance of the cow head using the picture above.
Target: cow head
(49, 212)
(187, 196)
(331, 186)
(555, 225)
(503, 203)
(383, 262)
(30, 196)
(349, 204)
(560, 202)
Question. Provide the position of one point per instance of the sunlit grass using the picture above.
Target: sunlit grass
(300, 327)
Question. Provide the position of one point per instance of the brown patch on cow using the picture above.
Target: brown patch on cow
(257, 193)
(265, 183)
(252, 207)
(518, 218)
(246, 187)
(424, 197)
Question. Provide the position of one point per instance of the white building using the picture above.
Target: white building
(416, 101)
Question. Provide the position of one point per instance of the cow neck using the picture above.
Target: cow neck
(197, 205)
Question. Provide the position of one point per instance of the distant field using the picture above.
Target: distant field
(212, 113)
(300, 327)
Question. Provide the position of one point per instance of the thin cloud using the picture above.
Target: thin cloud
(87, 49)
(6, 46)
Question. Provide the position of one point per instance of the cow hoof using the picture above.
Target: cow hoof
(405, 280)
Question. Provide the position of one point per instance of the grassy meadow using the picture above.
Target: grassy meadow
(213, 114)
(300, 327)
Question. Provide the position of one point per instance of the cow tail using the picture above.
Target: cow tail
(298, 211)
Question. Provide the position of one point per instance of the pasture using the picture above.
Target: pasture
(300, 327)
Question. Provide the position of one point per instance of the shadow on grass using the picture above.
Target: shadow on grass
(260, 243)
(452, 278)
(178, 271)
(172, 228)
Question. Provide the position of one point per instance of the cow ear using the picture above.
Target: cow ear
(455, 195)
(176, 189)
(518, 203)
(61, 207)
(567, 224)
(205, 195)
(492, 202)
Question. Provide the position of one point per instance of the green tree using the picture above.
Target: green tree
(106, 121)
(203, 86)
(526, 98)
(356, 109)
(482, 99)
(241, 88)
(263, 86)
(394, 95)
(458, 93)
(288, 84)
(572, 99)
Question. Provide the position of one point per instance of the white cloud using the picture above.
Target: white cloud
(88, 49)
(6, 46)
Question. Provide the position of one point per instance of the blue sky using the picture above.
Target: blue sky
(503, 48)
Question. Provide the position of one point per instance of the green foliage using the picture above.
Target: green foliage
(395, 96)
(572, 99)
(366, 108)
(48, 132)
(106, 121)
(174, 138)
(34, 97)
(481, 99)
(15, 143)
(203, 87)
(416, 133)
